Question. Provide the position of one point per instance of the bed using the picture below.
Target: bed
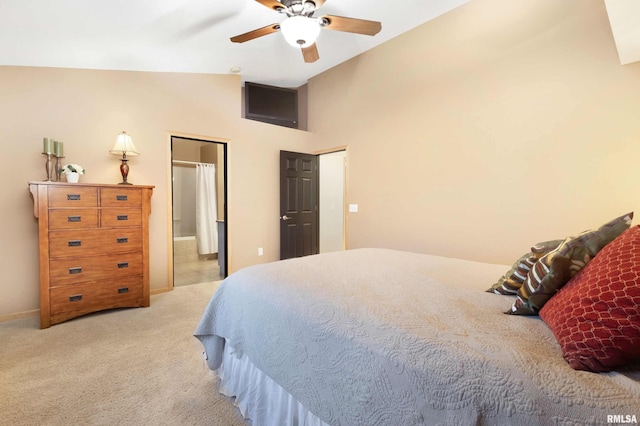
(386, 337)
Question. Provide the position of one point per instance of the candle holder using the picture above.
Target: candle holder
(48, 165)
(58, 172)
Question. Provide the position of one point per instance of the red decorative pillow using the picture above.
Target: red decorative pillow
(596, 315)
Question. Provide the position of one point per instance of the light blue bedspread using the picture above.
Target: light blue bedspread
(383, 337)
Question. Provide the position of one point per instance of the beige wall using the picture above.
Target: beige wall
(86, 109)
(495, 126)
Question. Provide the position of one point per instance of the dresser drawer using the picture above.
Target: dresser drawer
(73, 196)
(121, 197)
(112, 266)
(94, 242)
(73, 218)
(120, 217)
(79, 299)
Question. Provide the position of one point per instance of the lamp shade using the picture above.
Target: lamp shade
(300, 31)
(124, 146)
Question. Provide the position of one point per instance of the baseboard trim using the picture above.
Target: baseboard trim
(159, 290)
(18, 315)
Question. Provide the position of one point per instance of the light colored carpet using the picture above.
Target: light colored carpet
(122, 367)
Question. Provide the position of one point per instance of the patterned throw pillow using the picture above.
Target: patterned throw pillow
(555, 268)
(596, 316)
(511, 281)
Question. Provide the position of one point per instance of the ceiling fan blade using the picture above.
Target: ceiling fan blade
(271, 4)
(351, 25)
(310, 54)
(256, 33)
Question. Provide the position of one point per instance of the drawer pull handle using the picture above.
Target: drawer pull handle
(121, 197)
(75, 298)
(74, 218)
(123, 290)
(122, 217)
(73, 271)
(122, 240)
(73, 197)
(123, 265)
(74, 243)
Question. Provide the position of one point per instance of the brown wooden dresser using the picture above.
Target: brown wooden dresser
(94, 247)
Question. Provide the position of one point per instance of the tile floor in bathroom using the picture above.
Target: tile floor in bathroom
(196, 271)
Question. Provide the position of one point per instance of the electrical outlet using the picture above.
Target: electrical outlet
(260, 251)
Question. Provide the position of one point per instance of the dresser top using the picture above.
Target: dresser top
(100, 185)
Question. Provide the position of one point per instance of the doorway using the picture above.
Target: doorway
(312, 202)
(332, 200)
(198, 210)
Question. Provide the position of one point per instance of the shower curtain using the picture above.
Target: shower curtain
(206, 209)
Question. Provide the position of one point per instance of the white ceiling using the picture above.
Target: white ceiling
(193, 35)
(190, 35)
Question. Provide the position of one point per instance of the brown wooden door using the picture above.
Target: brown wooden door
(298, 204)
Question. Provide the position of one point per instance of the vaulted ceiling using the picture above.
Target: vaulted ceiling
(193, 35)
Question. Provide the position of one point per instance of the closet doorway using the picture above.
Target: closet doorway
(332, 195)
(198, 210)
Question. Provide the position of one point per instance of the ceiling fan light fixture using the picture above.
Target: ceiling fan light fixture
(300, 31)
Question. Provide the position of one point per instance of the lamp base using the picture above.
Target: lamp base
(124, 170)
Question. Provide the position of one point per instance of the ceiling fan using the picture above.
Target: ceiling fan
(301, 28)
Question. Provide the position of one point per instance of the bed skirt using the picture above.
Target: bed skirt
(258, 397)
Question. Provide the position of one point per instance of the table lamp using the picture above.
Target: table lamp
(124, 146)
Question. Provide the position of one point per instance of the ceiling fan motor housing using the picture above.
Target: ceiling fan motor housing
(299, 7)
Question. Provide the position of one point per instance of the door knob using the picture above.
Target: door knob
(285, 217)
